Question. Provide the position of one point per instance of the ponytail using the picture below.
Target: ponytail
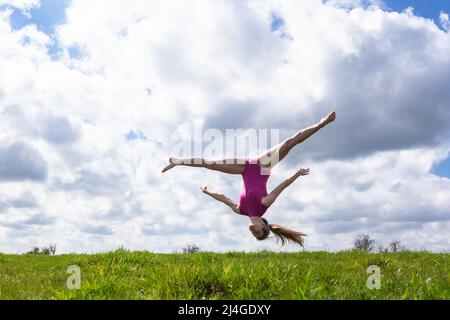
(284, 235)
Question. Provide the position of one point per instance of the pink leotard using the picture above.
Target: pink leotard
(254, 189)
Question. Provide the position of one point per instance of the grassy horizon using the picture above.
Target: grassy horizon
(123, 274)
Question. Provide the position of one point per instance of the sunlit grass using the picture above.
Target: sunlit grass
(265, 275)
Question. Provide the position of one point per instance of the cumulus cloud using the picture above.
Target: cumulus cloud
(21, 4)
(445, 22)
(40, 220)
(59, 131)
(352, 4)
(24, 201)
(86, 130)
(20, 162)
(99, 230)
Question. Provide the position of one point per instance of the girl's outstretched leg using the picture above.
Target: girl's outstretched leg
(229, 166)
(222, 198)
(275, 155)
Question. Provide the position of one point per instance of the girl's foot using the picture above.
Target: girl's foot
(172, 164)
(328, 119)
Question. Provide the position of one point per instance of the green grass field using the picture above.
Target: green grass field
(265, 275)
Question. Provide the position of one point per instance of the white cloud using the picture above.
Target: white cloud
(24, 6)
(153, 67)
(21, 4)
(351, 4)
(19, 162)
(445, 22)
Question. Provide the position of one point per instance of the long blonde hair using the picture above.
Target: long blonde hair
(283, 234)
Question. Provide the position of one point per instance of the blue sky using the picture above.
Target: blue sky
(443, 168)
(428, 9)
(45, 17)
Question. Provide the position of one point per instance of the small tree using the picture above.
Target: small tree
(394, 246)
(34, 250)
(363, 242)
(47, 251)
(191, 248)
(382, 249)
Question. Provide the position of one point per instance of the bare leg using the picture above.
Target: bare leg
(230, 166)
(275, 155)
(271, 197)
(221, 198)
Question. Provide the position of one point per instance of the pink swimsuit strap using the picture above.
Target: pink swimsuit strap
(254, 189)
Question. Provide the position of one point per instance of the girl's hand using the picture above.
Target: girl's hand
(204, 189)
(303, 172)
